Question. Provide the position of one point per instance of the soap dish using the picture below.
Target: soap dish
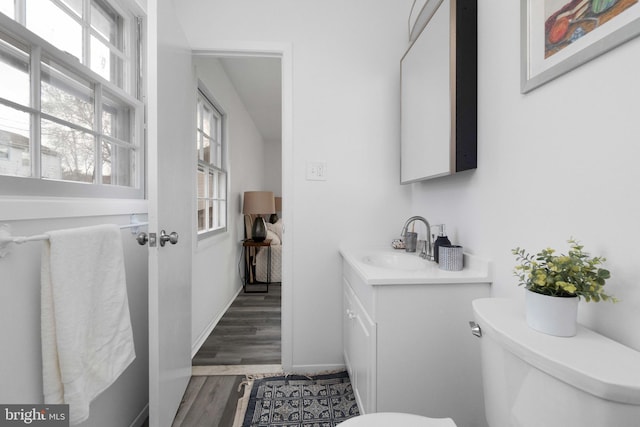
(398, 244)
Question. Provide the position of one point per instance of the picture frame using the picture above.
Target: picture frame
(560, 35)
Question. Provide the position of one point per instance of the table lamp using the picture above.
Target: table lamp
(258, 203)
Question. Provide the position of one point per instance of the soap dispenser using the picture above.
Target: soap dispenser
(442, 240)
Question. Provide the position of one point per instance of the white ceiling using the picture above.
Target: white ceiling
(258, 82)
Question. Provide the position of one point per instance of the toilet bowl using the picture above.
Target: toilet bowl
(395, 419)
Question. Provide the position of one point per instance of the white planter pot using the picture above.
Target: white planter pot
(551, 315)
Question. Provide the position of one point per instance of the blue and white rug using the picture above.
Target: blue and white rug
(301, 401)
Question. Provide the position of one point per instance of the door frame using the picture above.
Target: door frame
(283, 51)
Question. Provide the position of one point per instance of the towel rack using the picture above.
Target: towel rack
(6, 238)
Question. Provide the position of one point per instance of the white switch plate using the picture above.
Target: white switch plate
(316, 171)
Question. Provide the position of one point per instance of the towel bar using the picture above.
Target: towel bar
(6, 238)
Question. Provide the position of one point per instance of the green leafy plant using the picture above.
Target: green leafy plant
(574, 274)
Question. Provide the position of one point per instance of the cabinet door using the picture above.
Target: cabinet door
(360, 351)
(348, 314)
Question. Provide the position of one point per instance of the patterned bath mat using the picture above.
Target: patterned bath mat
(301, 401)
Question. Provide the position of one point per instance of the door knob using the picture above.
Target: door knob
(171, 238)
(142, 238)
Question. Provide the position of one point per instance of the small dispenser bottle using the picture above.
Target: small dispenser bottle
(440, 241)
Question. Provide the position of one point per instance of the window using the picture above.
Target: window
(69, 99)
(212, 174)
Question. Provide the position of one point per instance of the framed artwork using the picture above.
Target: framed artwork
(560, 35)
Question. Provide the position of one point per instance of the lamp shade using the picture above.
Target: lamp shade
(258, 202)
(278, 204)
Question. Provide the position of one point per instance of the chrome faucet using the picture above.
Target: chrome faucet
(427, 250)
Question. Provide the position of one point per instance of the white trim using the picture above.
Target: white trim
(142, 417)
(237, 370)
(23, 208)
(317, 369)
(284, 51)
(70, 67)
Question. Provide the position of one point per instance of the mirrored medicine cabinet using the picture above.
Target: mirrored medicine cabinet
(438, 129)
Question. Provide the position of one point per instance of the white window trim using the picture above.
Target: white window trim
(225, 167)
(37, 187)
(38, 208)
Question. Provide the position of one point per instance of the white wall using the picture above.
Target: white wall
(273, 166)
(21, 355)
(555, 163)
(345, 113)
(216, 280)
(558, 162)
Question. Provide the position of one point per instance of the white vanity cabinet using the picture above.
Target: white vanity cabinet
(409, 348)
(359, 349)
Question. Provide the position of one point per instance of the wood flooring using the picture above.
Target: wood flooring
(249, 333)
(209, 401)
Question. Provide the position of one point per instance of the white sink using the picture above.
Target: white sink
(382, 265)
(395, 261)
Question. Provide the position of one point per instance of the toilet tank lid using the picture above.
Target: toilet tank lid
(588, 361)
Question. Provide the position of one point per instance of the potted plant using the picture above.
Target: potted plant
(555, 283)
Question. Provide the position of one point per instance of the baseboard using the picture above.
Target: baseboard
(142, 417)
(317, 369)
(205, 334)
(197, 371)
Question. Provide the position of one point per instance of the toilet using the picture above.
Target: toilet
(531, 379)
(396, 419)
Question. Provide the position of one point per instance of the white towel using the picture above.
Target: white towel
(87, 341)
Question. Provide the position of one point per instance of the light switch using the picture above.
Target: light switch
(316, 171)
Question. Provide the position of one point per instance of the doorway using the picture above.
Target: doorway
(251, 73)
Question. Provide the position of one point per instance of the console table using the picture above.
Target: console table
(249, 248)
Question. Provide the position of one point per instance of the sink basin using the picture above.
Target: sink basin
(395, 261)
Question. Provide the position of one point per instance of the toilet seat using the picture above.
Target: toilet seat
(396, 419)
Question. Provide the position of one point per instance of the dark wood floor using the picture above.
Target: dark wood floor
(209, 401)
(249, 333)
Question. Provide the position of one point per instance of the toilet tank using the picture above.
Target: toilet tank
(532, 380)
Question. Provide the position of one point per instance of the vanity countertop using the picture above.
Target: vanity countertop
(388, 266)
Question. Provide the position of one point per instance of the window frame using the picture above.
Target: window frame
(208, 167)
(39, 49)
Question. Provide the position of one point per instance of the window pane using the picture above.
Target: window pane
(52, 24)
(199, 114)
(105, 22)
(101, 59)
(7, 7)
(14, 69)
(206, 120)
(222, 186)
(201, 201)
(117, 162)
(218, 159)
(67, 97)
(116, 118)
(66, 153)
(15, 157)
(206, 149)
(213, 215)
(222, 214)
(75, 5)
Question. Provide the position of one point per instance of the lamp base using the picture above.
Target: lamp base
(259, 230)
